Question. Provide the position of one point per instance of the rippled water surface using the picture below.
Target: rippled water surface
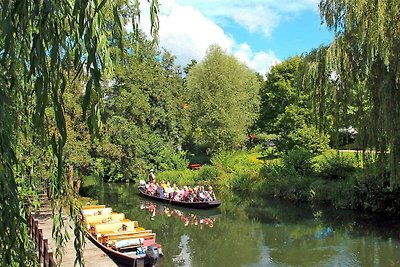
(259, 232)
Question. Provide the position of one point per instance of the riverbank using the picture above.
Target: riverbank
(338, 178)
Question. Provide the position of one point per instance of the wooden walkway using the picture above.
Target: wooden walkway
(93, 256)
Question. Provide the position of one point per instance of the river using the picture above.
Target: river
(256, 232)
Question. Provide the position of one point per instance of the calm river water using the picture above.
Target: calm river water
(255, 232)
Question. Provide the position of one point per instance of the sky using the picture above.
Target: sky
(259, 33)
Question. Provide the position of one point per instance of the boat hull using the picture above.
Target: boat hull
(116, 255)
(194, 205)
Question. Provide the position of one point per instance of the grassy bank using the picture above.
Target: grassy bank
(338, 178)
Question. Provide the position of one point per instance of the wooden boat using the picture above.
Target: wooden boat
(120, 238)
(194, 205)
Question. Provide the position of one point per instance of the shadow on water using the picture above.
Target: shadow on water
(254, 231)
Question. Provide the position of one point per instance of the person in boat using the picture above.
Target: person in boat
(151, 189)
(211, 194)
(201, 196)
(152, 176)
(168, 190)
(142, 183)
(190, 196)
(185, 193)
(196, 193)
(160, 191)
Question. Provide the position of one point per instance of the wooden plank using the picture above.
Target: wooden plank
(92, 255)
(94, 207)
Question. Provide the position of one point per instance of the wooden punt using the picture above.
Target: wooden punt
(194, 205)
(120, 238)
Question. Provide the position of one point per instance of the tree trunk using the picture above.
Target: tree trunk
(78, 182)
(70, 175)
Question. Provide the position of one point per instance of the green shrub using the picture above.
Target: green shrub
(237, 162)
(374, 194)
(242, 182)
(339, 193)
(180, 177)
(337, 167)
(206, 173)
(299, 159)
(285, 182)
(307, 137)
(169, 159)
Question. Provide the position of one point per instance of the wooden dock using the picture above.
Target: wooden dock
(93, 256)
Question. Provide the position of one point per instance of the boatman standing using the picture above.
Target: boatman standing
(152, 177)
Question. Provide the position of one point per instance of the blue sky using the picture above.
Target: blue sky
(259, 33)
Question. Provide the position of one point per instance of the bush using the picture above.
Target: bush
(237, 162)
(337, 167)
(181, 177)
(375, 195)
(339, 193)
(307, 137)
(169, 159)
(299, 159)
(284, 182)
(206, 173)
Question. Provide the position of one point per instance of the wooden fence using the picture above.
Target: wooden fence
(45, 253)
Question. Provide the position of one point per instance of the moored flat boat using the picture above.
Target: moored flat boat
(194, 205)
(120, 238)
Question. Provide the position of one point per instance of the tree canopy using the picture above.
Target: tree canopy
(223, 100)
(143, 114)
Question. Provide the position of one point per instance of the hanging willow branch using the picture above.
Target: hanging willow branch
(40, 42)
(365, 55)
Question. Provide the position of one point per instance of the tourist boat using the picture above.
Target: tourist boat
(121, 239)
(194, 205)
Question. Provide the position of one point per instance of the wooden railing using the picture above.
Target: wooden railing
(45, 253)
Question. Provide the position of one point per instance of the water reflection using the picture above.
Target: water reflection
(249, 231)
(187, 218)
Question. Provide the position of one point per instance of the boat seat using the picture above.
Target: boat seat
(115, 227)
(124, 220)
(95, 219)
(97, 211)
(113, 234)
(94, 207)
(132, 242)
(145, 235)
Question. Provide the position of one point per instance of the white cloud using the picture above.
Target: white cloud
(187, 33)
(259, 61)
(254, 15)
(259, 19)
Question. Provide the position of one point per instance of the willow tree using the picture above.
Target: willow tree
(40, 43)
(362, 63)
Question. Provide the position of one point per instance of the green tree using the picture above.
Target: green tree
(364, 55)
(223, 100)
(279, 91)
(143, 115)
(77, 150)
